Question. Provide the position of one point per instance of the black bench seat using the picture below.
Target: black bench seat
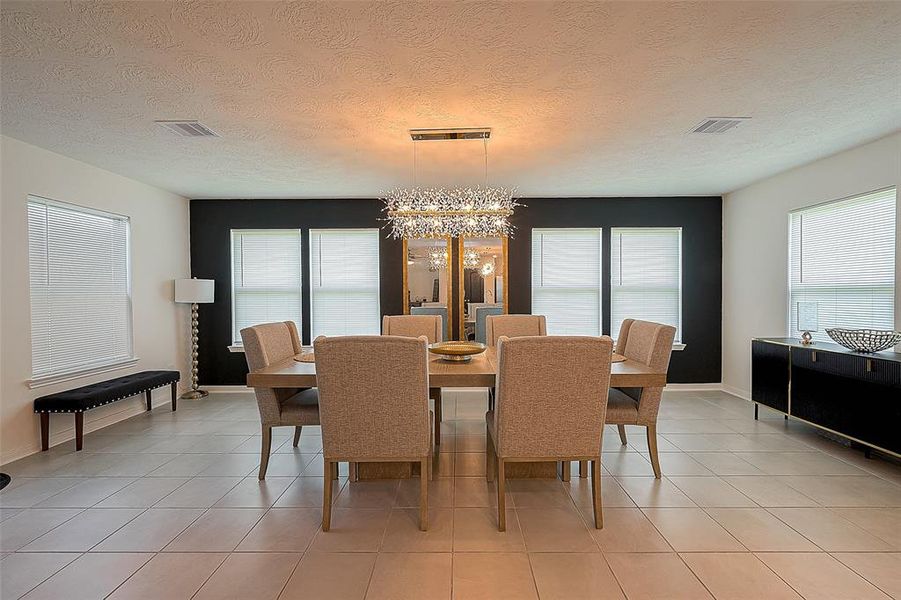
(97, 394)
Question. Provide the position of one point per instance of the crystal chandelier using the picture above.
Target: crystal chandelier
(437, 258)
(481, 211)
(471, 259)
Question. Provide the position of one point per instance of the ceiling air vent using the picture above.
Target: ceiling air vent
(188, 128)
(718, 124)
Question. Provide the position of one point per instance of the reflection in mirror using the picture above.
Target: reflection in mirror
(483, 273)
(427, 280)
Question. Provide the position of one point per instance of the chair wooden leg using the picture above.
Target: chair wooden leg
(565, 467)
(622, 434)
(490, 459)
(652, 449)
(174, 392)
(45, 431)
(435, 394)
(596, 494)
(424, 494)
(148, 398)
(491, 398)
(353, 471)
(297, 435)
(265, 449)
(79, 430)
(335, 471)
(501, 498)
(327, 495)
(583, 469)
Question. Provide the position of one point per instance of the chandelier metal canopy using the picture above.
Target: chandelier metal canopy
(481, 211)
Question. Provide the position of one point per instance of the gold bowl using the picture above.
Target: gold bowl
(457, 351)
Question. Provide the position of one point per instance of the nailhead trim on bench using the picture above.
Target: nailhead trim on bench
(156, 387)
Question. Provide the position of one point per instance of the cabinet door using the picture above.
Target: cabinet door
(769, 374)
(852, 395)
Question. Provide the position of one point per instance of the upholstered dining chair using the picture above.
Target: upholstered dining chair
(651, 344)
(513, 326)
(551, 405)
(431, 326)
(482, 312)
(440, 311)
(373, 406)
(264, 345)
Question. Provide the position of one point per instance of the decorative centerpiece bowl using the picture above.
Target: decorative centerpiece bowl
(457, 351)
(865, 340)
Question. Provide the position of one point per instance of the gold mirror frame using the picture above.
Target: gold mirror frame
(448, 334)
(460, 274)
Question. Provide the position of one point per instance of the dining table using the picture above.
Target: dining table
(479, 372)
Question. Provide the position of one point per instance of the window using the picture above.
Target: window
(344, 277)
(80, 292)
(646, 276)
(566, 280)
(842, 264)
(266, 278)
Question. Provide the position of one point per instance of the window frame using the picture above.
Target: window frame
(311, 235)
(237, 344)
(601, 258)
(819, 334)
(69, 374)
(677, 341)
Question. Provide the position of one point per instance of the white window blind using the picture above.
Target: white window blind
(80, 292)
(344, 277)
(842, 264)
(566, 280)
(646, 276)
(266, 278)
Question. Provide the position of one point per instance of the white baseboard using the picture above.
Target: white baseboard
(743, 394)
(694, 387)
(227, 389)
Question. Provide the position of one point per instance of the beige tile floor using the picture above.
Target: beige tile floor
(167, 506)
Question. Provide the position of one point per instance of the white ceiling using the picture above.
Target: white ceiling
(315, 99)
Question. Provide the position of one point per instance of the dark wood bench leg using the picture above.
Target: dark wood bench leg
(45, 431)
(149, 398)
(174, 396)
(79, 430)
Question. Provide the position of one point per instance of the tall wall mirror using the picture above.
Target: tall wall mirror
(483, 273)
(427, 279)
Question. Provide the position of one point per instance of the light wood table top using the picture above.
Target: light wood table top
(479, 372)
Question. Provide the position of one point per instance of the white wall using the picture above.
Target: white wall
(755, 243)
(160, 253)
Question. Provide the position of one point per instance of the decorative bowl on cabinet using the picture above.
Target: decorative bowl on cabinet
(865, 340)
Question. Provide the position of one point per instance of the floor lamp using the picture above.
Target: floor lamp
(194, 291)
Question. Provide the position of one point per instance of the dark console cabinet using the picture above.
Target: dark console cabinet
(852, 394)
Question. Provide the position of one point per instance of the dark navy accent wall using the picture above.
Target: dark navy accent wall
(699, 217)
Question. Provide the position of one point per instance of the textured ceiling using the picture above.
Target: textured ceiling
(315, 99)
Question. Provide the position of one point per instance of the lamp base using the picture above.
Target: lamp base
(194, 394)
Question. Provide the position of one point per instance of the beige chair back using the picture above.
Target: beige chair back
(264, 345)
(429, 326)
(652, 344)
(552, 396)
(513, 326)
(373, 397)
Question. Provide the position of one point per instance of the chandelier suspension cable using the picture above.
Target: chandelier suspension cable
(485, 144)
(414, 164)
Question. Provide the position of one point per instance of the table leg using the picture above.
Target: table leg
(435, 394)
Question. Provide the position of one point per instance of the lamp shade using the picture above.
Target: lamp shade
(194, 290)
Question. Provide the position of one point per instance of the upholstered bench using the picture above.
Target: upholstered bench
(97, 394)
